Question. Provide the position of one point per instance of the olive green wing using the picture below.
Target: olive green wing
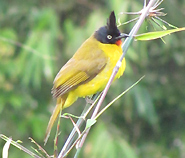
(78, 71)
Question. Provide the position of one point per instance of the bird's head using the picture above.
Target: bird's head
(110, 34)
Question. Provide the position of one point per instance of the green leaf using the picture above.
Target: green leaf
(6, 148)
(90, 122)
(157, 34)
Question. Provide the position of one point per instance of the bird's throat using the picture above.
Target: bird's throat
(119, 42)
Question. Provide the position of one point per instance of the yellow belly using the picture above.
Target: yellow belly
(99, 82)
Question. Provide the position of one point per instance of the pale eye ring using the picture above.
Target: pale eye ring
(109, 37)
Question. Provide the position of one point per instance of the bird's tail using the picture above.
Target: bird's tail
(56, 111)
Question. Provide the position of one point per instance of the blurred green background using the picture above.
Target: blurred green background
(38, 37)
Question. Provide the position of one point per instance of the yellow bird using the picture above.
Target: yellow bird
(90, 68)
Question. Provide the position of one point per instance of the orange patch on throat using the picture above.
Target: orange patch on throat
(119, 42)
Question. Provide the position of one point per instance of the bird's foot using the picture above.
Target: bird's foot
(88, 100)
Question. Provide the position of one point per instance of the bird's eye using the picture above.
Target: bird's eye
(109, 37)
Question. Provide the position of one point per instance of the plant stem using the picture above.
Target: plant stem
(72, 135)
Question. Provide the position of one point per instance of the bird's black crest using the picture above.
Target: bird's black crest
(111, 22)
(107, 34)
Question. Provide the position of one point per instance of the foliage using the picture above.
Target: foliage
(38, 37)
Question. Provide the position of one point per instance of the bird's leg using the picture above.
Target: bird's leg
(89, 100)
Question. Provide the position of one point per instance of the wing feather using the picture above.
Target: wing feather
(81, 68)
(71, 83)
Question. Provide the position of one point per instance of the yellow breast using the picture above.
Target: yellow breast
(113, 54)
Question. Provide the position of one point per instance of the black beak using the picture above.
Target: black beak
(122, 35)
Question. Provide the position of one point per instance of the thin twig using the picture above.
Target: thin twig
(19, 146)
(119, 96)
(56, 136)
(40, 148)
(80, 135)
(72, 135)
